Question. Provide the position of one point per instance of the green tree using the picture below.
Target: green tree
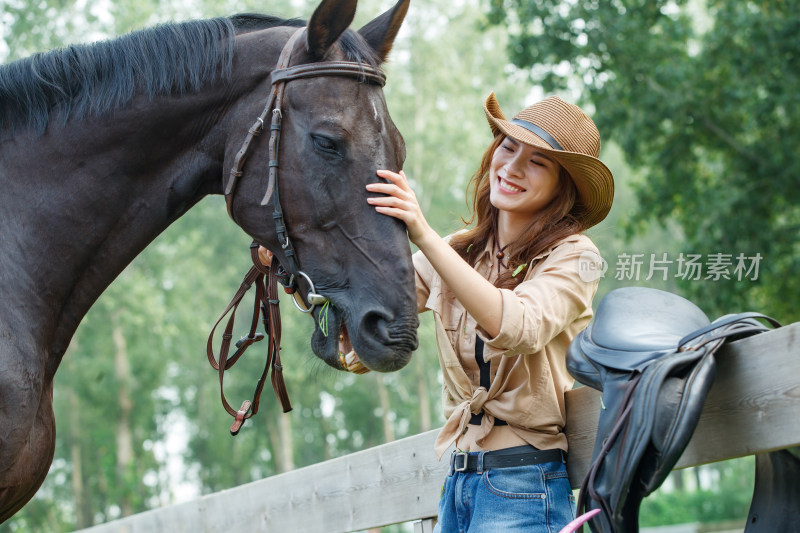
(703, 100)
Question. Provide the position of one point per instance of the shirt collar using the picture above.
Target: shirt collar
(488, 251)
(572, 238)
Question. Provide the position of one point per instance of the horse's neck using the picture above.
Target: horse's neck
(81, 201)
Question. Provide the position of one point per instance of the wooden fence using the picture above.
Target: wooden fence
(753, 407)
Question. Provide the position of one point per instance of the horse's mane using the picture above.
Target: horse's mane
(166, 59)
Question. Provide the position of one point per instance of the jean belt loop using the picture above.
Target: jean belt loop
(479, 470)
(451, 470)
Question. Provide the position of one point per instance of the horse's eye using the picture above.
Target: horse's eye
(325, 144)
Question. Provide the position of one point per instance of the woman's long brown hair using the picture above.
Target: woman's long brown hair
(559, 219)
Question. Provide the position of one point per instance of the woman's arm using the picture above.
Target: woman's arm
(480, 298)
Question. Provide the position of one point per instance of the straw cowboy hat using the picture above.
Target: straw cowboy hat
(566, 133)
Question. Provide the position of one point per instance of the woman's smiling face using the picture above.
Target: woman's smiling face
(523, 179)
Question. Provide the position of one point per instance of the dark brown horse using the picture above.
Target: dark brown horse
(103, 146)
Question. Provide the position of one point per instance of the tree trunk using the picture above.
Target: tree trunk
(285, 459)
(326, 449)
(698, 476)
(383, 396)
(423, 395)
(124, 436)
(83, 513)
(677, 480)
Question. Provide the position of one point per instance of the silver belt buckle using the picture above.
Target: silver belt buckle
(464, 462)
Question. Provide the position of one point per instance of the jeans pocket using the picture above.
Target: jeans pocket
(519, 482)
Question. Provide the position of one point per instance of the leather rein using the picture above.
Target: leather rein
(264, 278)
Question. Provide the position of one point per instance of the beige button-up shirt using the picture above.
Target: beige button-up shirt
(528, 371)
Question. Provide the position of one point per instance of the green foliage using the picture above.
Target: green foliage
(615, 245)
(702, 99)
(726, 496)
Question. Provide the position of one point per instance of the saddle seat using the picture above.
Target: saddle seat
(632, 327)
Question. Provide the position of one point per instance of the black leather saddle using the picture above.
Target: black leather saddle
(651, 353)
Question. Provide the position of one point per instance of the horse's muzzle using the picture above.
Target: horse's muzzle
(383, 343)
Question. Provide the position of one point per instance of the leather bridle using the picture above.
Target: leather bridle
(267, 278)
(281, 75)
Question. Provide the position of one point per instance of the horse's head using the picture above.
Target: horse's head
(334, 134)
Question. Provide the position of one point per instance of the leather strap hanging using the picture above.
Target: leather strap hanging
(266, 305)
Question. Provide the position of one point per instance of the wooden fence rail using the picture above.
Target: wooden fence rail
(753, 407)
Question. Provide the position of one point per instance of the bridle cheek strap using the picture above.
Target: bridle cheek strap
(258, 127)
(282, 74)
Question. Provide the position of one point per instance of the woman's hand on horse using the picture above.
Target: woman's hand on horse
(482, 300)
(265, 256)
(400, 202)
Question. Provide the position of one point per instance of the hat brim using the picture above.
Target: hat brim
(592, 178)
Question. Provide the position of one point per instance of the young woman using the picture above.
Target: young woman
(508, 295)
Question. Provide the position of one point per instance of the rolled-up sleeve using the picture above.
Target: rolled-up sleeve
(423, 276)
(546, 303)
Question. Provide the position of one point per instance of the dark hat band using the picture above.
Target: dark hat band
(533, 128)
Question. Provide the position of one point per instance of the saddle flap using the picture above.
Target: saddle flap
(670, 402)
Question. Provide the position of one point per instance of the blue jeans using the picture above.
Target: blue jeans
(529, 499)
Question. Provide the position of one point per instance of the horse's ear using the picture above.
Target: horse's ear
(380, 33)
(327, 24)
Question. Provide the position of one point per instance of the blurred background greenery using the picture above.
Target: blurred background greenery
(697, 103)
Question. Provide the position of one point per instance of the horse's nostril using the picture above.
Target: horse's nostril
(375, 324)
(392, 332)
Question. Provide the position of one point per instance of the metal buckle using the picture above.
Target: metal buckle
(461, 467)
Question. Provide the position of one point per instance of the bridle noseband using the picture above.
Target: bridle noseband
(266, 278)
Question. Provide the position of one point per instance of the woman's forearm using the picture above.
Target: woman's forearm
(479, 297)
